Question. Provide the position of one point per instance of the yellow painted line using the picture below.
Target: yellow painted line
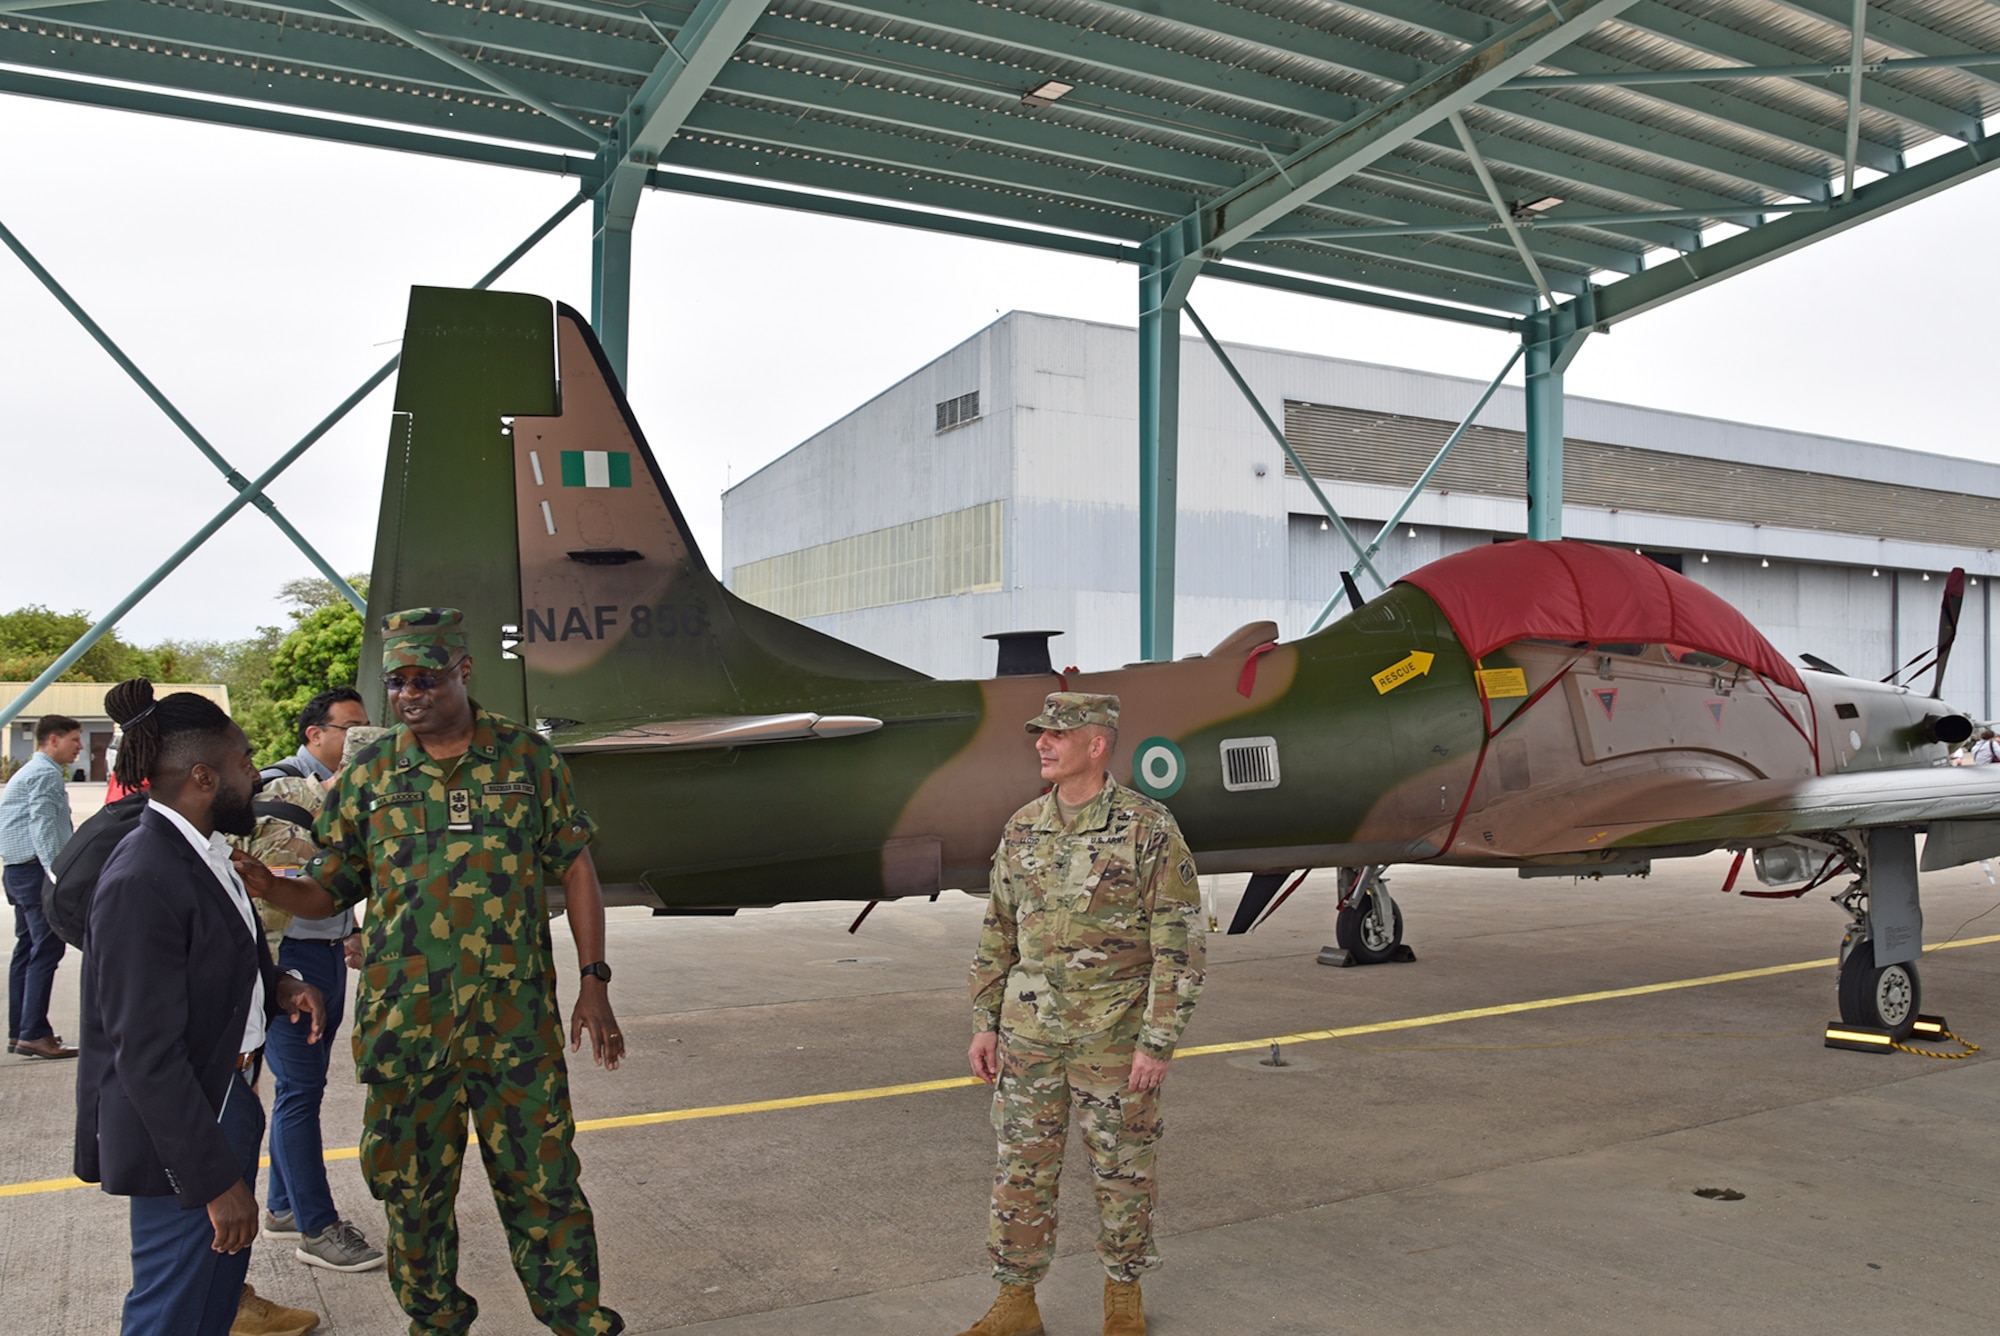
(1194, 1051)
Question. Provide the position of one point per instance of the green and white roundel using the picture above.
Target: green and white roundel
(1158, 768)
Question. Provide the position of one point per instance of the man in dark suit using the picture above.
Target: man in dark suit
(178, 989)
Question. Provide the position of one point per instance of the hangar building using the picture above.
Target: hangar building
(995, 490)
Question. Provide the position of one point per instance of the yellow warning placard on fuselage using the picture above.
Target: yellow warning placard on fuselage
(1500, 683)
(1417, 665)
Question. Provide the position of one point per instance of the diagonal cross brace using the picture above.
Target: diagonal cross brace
(174, 415)
(1255, 205)
(67, 659)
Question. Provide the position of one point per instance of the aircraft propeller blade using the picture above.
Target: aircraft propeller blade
(1954, 598)
(1259, 893)
(1353, 590)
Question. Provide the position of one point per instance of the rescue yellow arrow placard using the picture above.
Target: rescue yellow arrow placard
(1417, 665)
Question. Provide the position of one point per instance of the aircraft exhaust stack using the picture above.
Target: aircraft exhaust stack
(1023, 653)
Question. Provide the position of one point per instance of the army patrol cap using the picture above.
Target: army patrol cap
(1064, 710)
(422, 638)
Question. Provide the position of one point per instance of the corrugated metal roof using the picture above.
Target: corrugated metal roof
(1175, 104)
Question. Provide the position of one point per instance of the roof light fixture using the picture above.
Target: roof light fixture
(1927, 575)
(1413, 531)
(1046, 93)
(1704, 558)
(1875, 573)
(1528, 208)
(1765, 564)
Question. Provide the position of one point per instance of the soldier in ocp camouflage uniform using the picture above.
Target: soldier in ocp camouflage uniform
(1087, 971)
(450, 826)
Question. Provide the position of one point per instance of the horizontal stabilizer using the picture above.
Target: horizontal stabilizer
(727, 731)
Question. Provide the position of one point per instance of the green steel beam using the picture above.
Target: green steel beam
(1642, 292)
(1260, 202)
(651, 120)
(175, 416)
(1731, 44)
(1541, 222)
(484, 74)
(619, 50)
(119, 97)
(1308, 42)
(249, 494)
(23, 6)
(1111, 146)
(840, 206)
(1502, 210)
(1892, 29)
(1722, 73)
(1375, 61)
(1859, 49)
(1383, 301)
(874, 51)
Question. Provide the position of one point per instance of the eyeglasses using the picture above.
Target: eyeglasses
(342, 728)
(392, 683)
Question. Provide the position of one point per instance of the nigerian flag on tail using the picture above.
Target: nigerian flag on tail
(596, 468)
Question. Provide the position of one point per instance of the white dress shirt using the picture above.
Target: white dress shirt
(214, 851)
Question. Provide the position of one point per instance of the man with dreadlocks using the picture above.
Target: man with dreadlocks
(178, 991)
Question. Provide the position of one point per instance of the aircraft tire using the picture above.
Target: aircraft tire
(1885, 998)
(1357, 935)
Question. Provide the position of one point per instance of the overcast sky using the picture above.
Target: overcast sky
(259, 278)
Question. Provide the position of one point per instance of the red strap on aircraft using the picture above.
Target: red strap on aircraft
(1486, 743)
(1247, 681)
(1729, 882)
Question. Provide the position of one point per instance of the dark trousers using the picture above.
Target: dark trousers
(298, 1072)
(181, 1286)
(37, 951)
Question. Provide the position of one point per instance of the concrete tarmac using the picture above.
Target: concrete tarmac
(1516, 1169)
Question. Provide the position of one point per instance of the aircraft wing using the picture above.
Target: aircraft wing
(1960, 805)
(721, 731)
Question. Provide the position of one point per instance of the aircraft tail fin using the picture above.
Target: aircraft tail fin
(537, 507)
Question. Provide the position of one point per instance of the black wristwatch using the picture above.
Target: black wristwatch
(597, 969)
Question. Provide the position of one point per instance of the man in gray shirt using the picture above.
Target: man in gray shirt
(34, 826)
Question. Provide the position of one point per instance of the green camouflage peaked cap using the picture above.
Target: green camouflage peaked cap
(422, 638)
(1064, 710)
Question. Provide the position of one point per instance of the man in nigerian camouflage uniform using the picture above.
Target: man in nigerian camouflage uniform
(451, 826)
(1087, 971)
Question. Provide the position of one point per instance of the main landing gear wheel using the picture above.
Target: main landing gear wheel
(1884, 998)
(1360, 932)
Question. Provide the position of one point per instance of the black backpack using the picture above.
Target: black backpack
(78, 866)
(82, 860)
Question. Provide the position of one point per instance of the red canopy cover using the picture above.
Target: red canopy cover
(1493, 596)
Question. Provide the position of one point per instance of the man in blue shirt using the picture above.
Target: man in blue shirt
(323, 726)
(34, 826)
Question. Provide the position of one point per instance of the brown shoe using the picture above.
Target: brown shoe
(52, 1047)
(258, 1316)
(1124, 1313)
(1012, 1314)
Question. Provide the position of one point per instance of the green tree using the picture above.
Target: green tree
(33, 637)
(323, 650)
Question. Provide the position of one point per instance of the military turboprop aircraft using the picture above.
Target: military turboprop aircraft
(1551, 707)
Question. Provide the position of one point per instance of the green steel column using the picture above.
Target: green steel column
(610, 280)
(1159, 459)
(1549, 350)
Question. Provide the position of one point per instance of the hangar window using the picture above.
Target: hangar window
(953, 412)
(1249, 763)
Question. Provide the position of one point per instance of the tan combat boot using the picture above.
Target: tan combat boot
(1124, 1313)
(1012, 1314)
(258, 1316)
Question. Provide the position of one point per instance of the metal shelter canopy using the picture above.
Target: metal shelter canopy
(1542, 167)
